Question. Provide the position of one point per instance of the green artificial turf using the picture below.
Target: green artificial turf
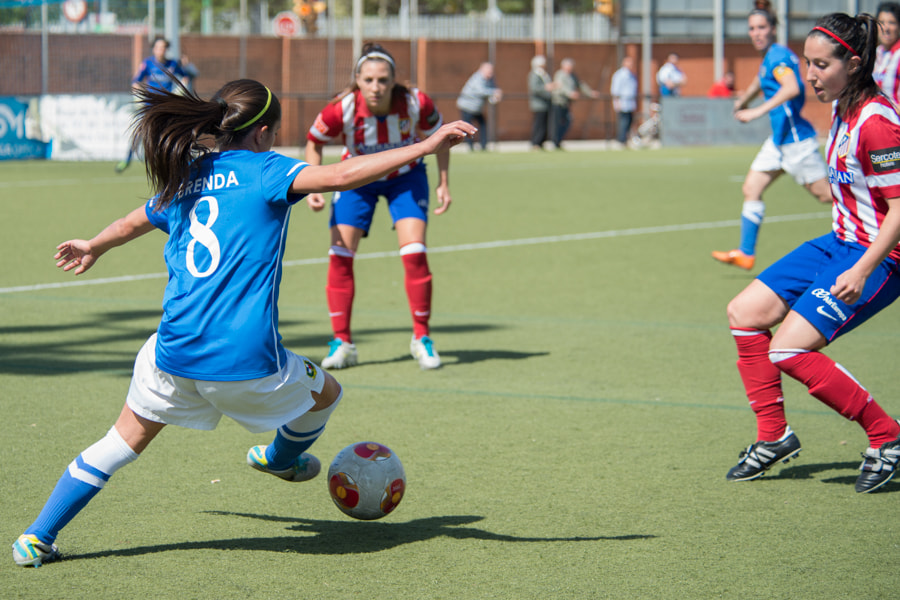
(574, 445)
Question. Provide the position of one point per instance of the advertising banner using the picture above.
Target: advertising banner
(18, 130)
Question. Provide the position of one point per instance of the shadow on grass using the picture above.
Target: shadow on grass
(810, 470)
(348, 537)
(448, 357)
(86, 345)
(78, 346)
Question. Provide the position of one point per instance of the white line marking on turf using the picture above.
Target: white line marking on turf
(552, 239)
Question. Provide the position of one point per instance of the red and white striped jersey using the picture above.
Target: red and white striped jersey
(863, 156)
(411, 115)
(887, 71)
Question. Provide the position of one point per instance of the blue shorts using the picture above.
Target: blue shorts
(407, 196)
(804, 277)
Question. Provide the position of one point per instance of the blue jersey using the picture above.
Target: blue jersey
(787, 124)
(227, 231)
(156, 78)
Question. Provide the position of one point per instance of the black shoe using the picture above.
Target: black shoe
(878, 466)
(762, 456)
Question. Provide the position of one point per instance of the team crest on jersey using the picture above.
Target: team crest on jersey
(844, 146)
(405, 126)
(885, 160)
(310, 369)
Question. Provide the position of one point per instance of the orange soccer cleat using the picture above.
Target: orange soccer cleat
(736, 258)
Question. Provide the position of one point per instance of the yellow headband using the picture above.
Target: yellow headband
(261, 113)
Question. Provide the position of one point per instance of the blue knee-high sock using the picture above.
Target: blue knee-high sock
(294, 438)
(84, 477)
(751, 219)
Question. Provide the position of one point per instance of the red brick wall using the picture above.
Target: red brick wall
(297, 70)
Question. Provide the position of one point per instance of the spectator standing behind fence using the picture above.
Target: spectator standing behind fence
(887, 67)
(479, 90)
(792, 148)
(540, 86)
(670, 77)
(566, 88)
(156, 72)
(723, 88)
(624, 91)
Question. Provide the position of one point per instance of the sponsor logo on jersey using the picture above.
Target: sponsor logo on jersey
(835, 176)
(826, 298)
(405, 126)
(844, 146)
(885, 160)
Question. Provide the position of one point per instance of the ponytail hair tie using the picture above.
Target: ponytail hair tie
(222, 104)
(836, 38)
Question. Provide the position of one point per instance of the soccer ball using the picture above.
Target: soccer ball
(366, 480)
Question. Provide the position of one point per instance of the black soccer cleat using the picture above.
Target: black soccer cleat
(878, 466)
(762, 456)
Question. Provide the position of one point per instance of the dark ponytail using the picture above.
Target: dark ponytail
(852, 36)
(174, 129)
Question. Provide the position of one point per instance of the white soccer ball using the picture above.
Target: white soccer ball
(366, 480)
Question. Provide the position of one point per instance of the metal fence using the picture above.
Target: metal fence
(670, 19)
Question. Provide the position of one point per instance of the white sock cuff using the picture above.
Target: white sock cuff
(754, 210)
(340, 251)
(776, 356)
(110, 453)
(413, 248)
(748, 332)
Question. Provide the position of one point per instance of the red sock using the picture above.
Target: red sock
(762, 382)
(339, 290)
(418, 290)
(831, 384)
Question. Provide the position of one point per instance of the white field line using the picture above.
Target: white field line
(552, 239)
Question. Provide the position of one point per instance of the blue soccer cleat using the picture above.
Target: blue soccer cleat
(29, 551)
(305, 467)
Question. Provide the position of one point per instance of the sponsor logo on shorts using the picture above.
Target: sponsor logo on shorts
(310, 369)
(835, 176)
(823, 295)
(885, 160)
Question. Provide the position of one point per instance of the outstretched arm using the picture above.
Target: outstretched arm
(749, 94)
(442, 192)
(82, 254)
(315, 201)
(789, 89)
(360, 170)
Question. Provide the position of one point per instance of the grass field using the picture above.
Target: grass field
(574, 445)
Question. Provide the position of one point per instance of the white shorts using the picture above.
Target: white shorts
(259, 405)
(800, 160)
